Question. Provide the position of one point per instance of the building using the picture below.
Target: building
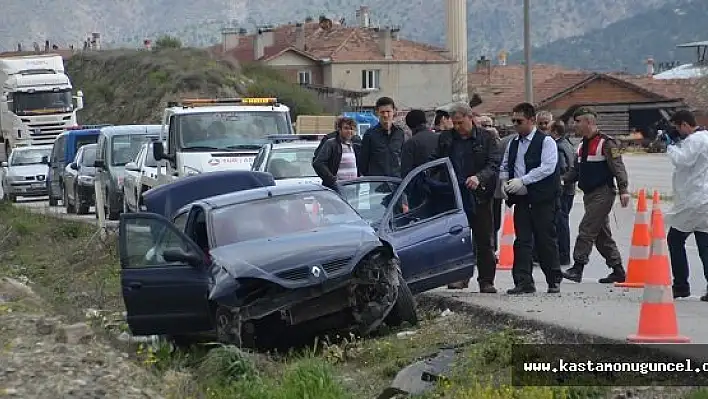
(359, 62)
(623, 102)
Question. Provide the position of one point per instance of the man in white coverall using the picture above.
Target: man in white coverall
(688, 151)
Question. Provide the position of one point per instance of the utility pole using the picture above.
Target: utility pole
(528, 79)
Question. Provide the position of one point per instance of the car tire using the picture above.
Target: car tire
(224, 325)
(52, 200)
(405, 308)
(81, 209)
(67, 204)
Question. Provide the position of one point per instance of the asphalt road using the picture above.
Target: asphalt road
(649, 171)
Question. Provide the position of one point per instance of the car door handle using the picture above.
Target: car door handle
(457, 229)
(135, 285)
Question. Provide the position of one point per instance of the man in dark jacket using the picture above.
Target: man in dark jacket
(337, 158)
(381, 145)
(355, 138)
(417, 150)
(566, 159)
(475, 156)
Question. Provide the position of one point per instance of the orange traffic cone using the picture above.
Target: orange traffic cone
(640, 251)
(655, 207)
(657, 316)
(506, 243)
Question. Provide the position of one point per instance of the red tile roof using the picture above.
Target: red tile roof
(339, 44)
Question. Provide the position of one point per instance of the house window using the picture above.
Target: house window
(370, 79)
(304, 77)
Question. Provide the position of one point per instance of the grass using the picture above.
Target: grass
(73, 269)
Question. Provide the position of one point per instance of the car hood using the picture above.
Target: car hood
(27, 170)
(344, 245)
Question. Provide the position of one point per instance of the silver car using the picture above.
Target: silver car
(25, 172)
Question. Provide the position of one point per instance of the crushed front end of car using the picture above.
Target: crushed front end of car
(353, 291)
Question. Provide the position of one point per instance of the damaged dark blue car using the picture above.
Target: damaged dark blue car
(231, 253)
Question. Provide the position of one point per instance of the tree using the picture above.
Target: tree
(167, 41)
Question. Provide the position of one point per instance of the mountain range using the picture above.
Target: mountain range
(592, 33)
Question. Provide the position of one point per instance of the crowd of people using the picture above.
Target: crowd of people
(534, 170)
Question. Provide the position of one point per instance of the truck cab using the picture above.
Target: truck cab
(208, 135)
(36, 102)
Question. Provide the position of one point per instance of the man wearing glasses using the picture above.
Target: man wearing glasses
(597, 166)
(532, 183)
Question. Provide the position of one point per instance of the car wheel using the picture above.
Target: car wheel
(376, 293)
(53, 201)
(67, 204)
(225, 329)
(81, 209)
(405, 308)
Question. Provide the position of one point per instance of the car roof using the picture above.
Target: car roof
(131, 129)
(254, 194)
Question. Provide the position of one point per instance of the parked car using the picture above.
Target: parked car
(289, 162)
(140, 175)
(79, 189)
(118, 145)
(63, 153)
(25, 172)
(250, 263)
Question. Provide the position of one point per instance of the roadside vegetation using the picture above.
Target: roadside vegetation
(76, 272)
(134, 86)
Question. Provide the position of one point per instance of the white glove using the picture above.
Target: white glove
(515, 186)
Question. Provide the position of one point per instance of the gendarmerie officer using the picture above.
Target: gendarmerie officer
(532, 184)
(597, 166)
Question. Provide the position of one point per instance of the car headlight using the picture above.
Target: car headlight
(86, 180)
(191, 171)
(15, 178)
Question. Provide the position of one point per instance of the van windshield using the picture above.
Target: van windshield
(230, 130)
(125, 147)
(29, 156)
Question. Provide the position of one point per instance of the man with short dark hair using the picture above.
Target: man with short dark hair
(597, 165)
(382, 144)
(566, 159)
(337, 159)
(687, 149)
(532, 184)
(442, 121)
(417, 150)
(337, 125)
(475, 156)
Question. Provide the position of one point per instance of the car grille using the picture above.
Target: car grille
(302, 273)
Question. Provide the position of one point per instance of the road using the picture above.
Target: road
(650, 171)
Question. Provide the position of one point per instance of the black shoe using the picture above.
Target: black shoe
(554, 288)
(521, 290)
(681, 292)
(704, 298)
(574, 274)
(487, 288)
(617, 276)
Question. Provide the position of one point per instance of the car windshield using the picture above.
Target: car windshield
(289, 163)
(89, 156)
(280, 215)
(29, 156)
(125, 147)
(231, 130)
(42, 102)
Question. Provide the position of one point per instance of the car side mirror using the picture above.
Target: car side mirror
(178, 255)
(99, 163)
(132, 166)
(158, 152)
(74, 166)
(45, 160)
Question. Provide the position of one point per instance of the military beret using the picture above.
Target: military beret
(584, 111)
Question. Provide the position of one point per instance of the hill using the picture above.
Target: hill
(492, 26)
(625, 45)
(133, 86)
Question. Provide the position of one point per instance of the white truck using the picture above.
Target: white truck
(36, 102)
(208, 135)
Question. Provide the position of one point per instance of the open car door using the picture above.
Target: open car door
(370, 196)
(425, 222)
(164, 277)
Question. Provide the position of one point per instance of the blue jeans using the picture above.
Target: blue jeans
(563, 227)
(676, 241)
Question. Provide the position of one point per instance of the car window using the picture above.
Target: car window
(428, 195)
(180, 221)
(89, 156)
(290, 163)
(30, 156)
(146, 241)
(125, 147)
(370, 199)
(280, 215)
(149, 159)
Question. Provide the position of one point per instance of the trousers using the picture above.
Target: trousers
(563, 227)
(594, 228)
(535, 228)
(482, 225)
(676, 241)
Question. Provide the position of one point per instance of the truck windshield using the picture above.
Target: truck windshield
(125, 147)
(29, 156)
(231, 129)
(42, 102)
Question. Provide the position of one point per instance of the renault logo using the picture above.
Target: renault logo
(316, 271)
